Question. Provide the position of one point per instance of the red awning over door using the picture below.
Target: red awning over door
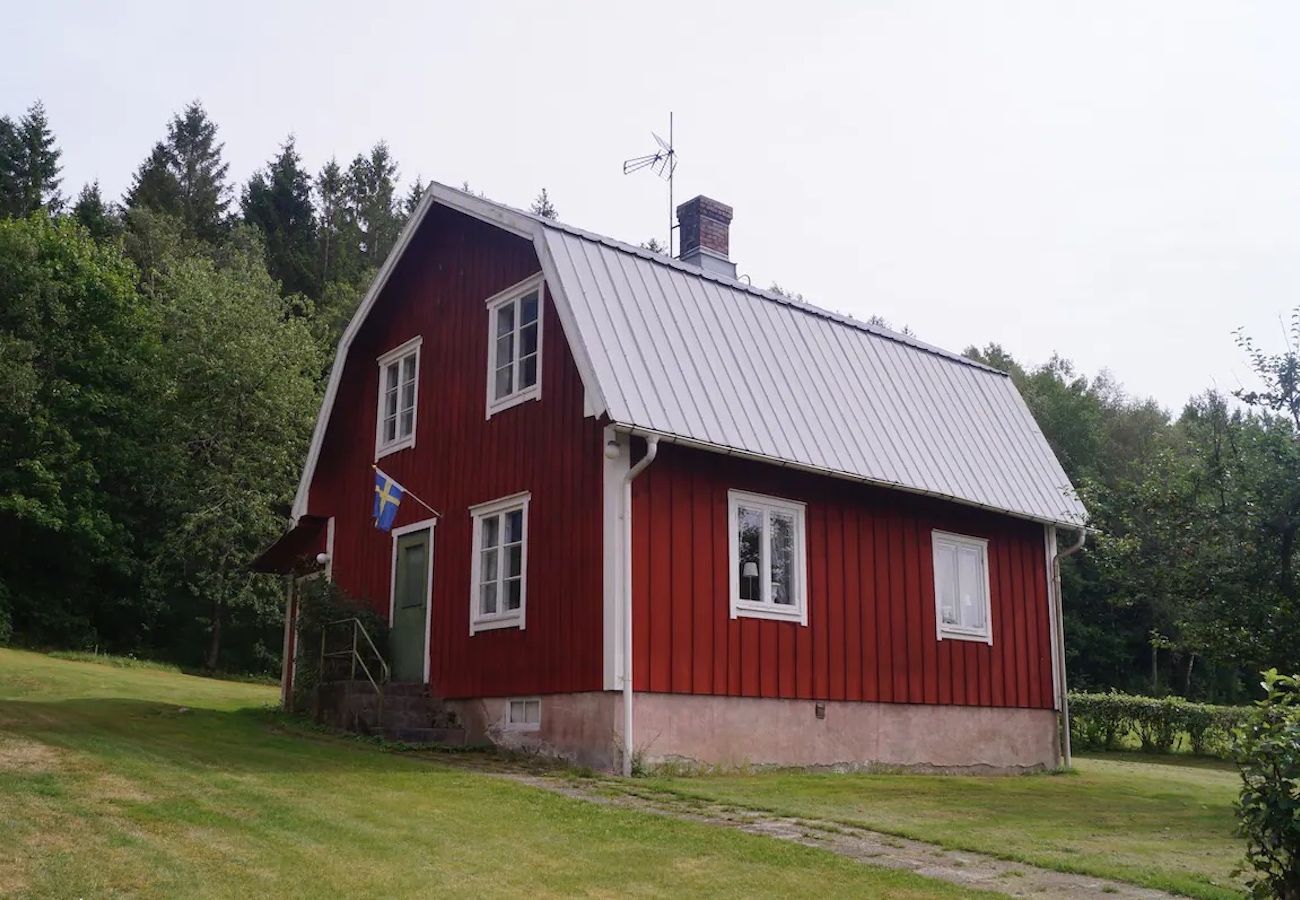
(295, 551)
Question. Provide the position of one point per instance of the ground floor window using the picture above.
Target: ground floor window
(498, 584)
(961, 587)
(767, 557)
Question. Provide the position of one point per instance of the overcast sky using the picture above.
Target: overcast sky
(1117, 182)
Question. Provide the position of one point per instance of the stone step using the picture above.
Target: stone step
(454, 737)
(407, 707)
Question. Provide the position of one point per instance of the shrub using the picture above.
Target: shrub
(1105, 721)
(1267, 750)
(320, 602)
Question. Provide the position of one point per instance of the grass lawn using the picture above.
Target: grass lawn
(144, 782)
(1165, 822)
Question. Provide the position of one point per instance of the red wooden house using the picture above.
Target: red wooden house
(738, 528)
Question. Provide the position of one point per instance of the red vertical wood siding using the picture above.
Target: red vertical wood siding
(871, 615)
(461, 458)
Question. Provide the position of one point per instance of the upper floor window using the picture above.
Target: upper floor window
(768, 562)
(961, 587)
(399, 375)
(514, 345)
(499, 570)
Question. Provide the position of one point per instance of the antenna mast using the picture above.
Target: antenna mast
(663, 162)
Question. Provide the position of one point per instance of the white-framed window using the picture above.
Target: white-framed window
(961, 587)
(525, 714)
(499, 571)
(399, 384)
(768, 560)
(514, 357)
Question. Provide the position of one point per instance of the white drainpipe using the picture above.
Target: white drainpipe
(651, 449)
(1060, 642)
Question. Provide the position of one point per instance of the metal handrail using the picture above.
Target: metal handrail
(385, 673)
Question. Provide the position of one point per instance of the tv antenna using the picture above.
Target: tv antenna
(663, 162)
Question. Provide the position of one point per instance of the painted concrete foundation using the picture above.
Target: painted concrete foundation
(734, 732)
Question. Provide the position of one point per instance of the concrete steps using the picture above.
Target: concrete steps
(410, 713)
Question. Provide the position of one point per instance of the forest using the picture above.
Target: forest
(162, 359)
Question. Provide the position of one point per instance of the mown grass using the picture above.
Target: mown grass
(1161, 822)
(139, 781)
(117, 662)
(133, 662)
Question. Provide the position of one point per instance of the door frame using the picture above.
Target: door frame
(422, 525)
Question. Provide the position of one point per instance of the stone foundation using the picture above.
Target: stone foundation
(737, 732)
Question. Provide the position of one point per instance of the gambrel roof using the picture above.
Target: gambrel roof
(712, 362)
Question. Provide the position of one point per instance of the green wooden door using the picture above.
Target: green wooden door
(411, 605)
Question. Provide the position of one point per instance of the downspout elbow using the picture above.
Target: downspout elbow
(651, 451)
(1075, 547)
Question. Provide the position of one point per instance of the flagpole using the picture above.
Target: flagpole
(405, 491)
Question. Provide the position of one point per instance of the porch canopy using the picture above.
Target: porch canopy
(294, 553)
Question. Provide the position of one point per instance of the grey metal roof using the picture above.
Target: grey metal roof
(715, 362)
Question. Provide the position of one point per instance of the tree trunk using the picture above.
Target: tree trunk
(1187, 678)
(1155, 669)
(214, 645)
(1286, 579)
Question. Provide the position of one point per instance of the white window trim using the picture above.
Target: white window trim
(523, 726)
(502, 618)
(422, 525)
(493, 303)
(952, 632)
(382, 449)
(748, 608)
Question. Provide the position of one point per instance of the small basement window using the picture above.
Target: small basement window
(526, 714)
(498, 585)
(514, 345)
(768, 562)
(399, 374)
(961, 587)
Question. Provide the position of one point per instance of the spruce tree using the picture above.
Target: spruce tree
(29, 164)
(102, 220)
(542, 206)
(372, 188)
(200, 172)
(278, 201)
(336, 255)
(38, 173)
(154, 185)
(9, 193)
(413, 196)
(185, 177)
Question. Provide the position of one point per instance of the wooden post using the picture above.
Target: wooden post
(286, 658)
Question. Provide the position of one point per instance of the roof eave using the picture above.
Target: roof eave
(1063, 521)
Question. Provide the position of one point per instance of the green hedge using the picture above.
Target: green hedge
(1159, 725)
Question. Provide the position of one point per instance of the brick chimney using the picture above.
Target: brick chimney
(705, 227)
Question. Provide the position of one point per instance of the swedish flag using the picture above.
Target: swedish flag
(388, 497)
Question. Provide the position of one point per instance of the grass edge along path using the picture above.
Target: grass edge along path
(974, 870)
(1162, 825)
